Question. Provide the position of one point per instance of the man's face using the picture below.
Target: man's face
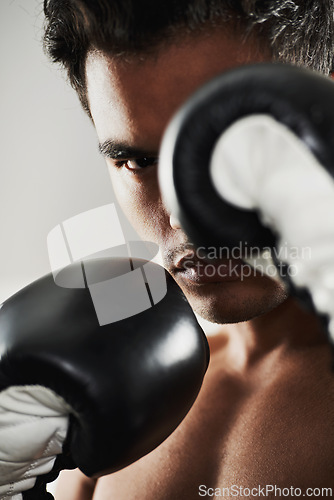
(131, 102)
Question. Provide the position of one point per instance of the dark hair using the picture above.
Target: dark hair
(300, 31)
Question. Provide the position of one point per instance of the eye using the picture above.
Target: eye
(139, 163)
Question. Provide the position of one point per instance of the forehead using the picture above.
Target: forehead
(133, 100)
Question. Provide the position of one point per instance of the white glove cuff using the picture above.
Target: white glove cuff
(33, 427)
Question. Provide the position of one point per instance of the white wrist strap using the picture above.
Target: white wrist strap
(33, 427)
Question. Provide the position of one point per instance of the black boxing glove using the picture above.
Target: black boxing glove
(97, 397)
(248, 162)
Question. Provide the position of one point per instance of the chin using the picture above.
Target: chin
(238, 301)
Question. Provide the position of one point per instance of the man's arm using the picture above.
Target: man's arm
(73, 485)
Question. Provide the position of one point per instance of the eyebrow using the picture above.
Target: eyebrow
(119, 150)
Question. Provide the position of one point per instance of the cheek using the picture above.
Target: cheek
(141, 203)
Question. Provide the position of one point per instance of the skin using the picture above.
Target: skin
(258, 419)
(132, 103)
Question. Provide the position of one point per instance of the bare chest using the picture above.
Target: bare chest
(234, 437)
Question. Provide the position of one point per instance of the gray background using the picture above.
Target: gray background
(50, 167)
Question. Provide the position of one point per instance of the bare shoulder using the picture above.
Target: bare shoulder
(287, 425)
(73, 485)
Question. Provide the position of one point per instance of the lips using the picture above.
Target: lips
(199, 271)
(185, 261)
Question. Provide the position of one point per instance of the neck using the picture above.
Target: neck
(288, 327)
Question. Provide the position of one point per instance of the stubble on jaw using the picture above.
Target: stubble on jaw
(236, 305)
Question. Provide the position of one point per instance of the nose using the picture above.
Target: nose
(174, 223)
